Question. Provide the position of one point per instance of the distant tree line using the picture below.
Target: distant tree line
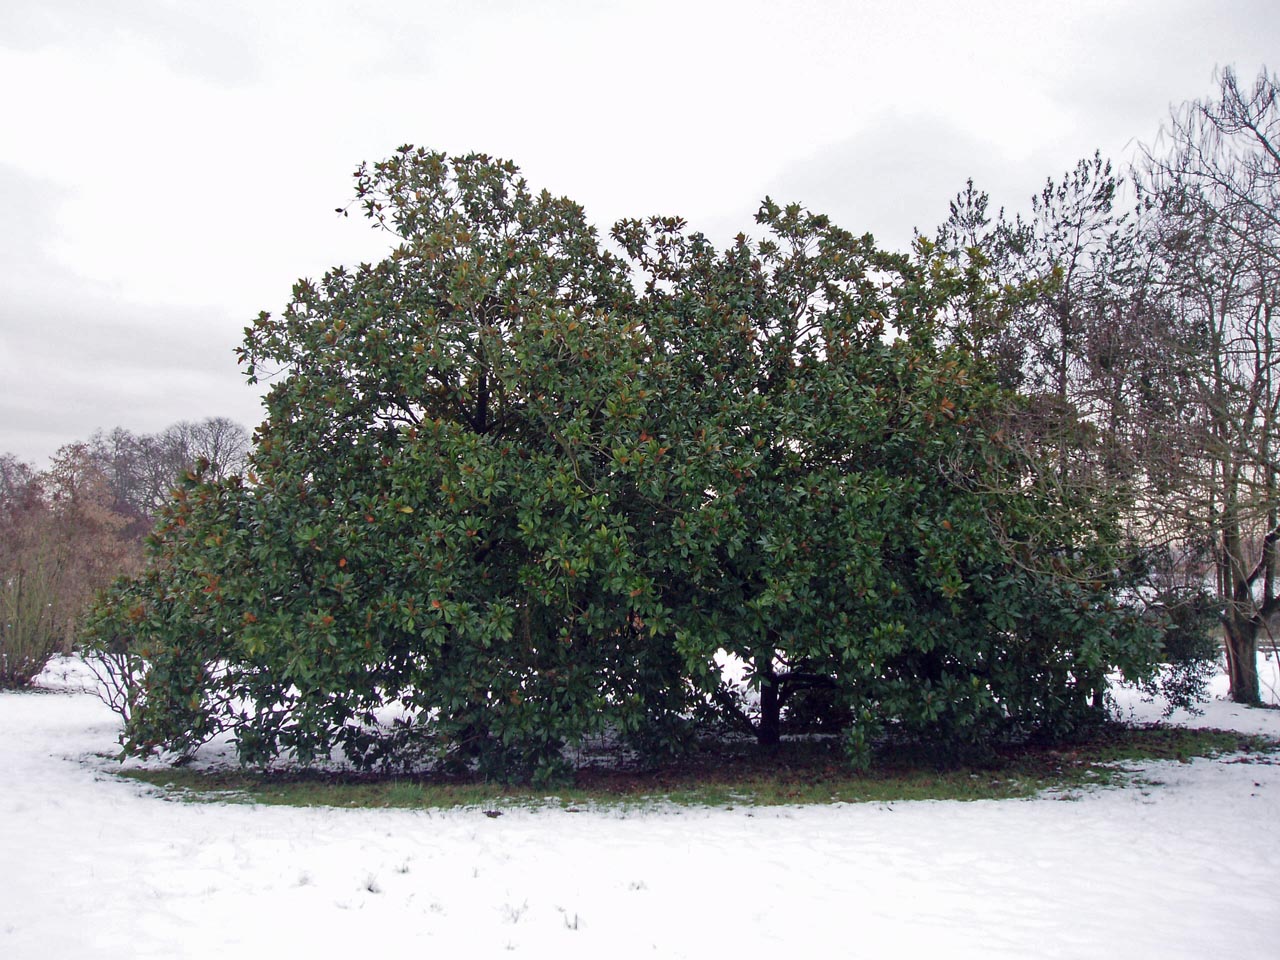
(69, 530)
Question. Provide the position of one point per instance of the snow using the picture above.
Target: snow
(93, 866)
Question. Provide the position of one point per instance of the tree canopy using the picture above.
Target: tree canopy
(518, 487)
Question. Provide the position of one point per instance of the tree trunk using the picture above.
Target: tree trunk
(1098, 696)
(770, 727)
(1241, 641)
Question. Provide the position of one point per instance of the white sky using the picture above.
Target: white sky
(168, 168)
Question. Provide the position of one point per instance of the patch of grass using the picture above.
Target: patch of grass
(1115, 744)
(740, 775)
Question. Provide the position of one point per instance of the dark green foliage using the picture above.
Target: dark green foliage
(1186, 617)
(870, 542)
(520, 502)
(446, 509)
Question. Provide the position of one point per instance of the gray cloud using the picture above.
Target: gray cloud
(900, 174)
(69, 368)
(173, 166)
(214, 41)
(75, 357)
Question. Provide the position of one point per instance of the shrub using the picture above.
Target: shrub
(29, 633)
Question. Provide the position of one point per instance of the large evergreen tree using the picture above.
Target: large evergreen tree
(505, 491)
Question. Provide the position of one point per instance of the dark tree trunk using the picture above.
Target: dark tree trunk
(1098, 696)
(1241, 638)
(769, 728)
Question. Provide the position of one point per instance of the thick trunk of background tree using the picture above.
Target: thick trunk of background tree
(1241, 641)
(1244, 614)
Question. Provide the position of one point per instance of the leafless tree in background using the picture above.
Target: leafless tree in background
(69, 531)
(1212, 186)
(60, 542)
(143, 469)
(1145, 346)
(1075, 338)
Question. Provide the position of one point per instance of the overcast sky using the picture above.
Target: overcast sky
(168, 168)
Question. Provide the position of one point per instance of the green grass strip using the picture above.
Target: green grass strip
(791, 773)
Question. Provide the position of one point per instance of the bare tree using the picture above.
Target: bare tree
(221, 444)
(60, 541)
(1075, 335)
(1087, 338)
(17, 483)
(1212, 184)
(1226, 152)
(142, 470)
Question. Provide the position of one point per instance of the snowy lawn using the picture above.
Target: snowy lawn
(98, 867)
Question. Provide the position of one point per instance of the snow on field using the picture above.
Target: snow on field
(98, 867)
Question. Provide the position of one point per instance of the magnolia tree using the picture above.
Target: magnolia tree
(870, 540)
(525, 490)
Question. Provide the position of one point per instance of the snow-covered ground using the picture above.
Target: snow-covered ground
(91, 866)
